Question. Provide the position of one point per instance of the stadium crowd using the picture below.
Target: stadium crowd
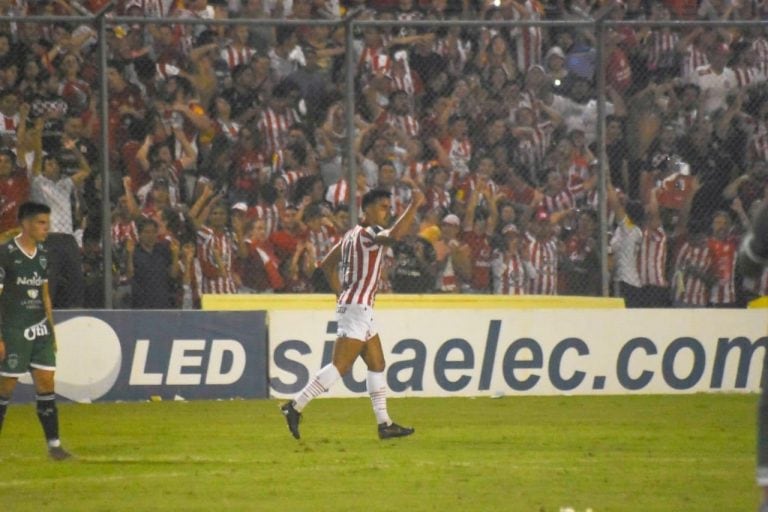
(226, 147)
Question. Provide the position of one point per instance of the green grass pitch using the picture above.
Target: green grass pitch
(611, 453)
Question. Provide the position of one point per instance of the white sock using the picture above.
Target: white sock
(325, 378)
(377, 389)
(54, 443)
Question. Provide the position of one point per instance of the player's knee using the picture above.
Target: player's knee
(377, 365)
(7, 385)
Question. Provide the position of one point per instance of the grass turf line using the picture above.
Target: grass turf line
(610, 453)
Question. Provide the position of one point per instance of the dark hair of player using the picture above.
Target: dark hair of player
(374, 195)
(30, 209)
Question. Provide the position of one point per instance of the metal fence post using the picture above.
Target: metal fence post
(349, 111)
(106, 203)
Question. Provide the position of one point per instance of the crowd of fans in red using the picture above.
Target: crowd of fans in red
(227, 146)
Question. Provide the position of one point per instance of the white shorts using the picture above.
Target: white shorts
(355, 321)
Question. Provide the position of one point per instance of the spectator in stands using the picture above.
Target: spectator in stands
(543, 250)
(49, 186)
(581, 258)
(151, 268)
(14, 190)
(511, 267)
(217, 246)
(453, 257)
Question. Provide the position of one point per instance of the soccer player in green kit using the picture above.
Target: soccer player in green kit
(27, 341)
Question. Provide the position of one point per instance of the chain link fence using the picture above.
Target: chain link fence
(224, 147)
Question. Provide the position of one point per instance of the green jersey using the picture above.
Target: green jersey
(22, 277)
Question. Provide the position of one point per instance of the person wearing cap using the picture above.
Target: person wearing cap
(452, 256)
(543, 251)
(511, 266)
(554, 65)
(715, 79)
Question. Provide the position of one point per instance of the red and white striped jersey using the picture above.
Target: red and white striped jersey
(577, 175)
(373, 61)
(455, 51)
(724, 261)
(417, 171)
(360, 265)
(407, 123)
(406, 80)
(274, 127)
(236, 56)
(690, 289)
(660, 44)
(9, 125)
(323, 240)
(528, 40)
(459, 153)
(652, 259)
(747, 76)
(338, 194)
(543, 255)
(561, 201)
(230, 129)
(210, 242)
(399, 199)
(760, 46)
(692, 58)
(268, 213)
(123, 231)
(533, 149)
(437, 198)
(463, 190)
(510, 274)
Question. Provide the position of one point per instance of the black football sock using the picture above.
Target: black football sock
(3, 407)
(49, 417)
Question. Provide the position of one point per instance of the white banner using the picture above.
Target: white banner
(533, 352)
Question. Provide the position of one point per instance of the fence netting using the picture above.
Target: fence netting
(228, 145)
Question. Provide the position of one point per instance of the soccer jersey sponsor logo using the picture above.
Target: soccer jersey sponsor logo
(35, 280)
(39, 329)
(33, 293)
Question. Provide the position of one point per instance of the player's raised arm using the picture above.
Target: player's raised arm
(403, 223)
(330, 266)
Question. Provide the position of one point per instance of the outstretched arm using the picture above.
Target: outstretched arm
(403, 223)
